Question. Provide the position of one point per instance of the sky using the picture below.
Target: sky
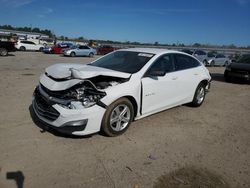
(220, 22)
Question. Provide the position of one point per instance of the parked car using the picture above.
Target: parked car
(239, 69)
(217, 59)
(6, 47)
(58, 48)
(105, 49)
(24, 45)
(80, 50)
(190, 52)
(111, 92)
(199, 54)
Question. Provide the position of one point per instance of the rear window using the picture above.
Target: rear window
(183, 62)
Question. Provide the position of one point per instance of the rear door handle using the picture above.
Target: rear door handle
(174, 78)
(196, 74)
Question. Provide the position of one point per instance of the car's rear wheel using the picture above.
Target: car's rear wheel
(91, 55)
(72, 54)
(22, 48)
(41, 49)
(117, 117)
(199, 95)
(3, 52)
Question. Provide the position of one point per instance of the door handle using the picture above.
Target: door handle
(196, 74)
(174, 78)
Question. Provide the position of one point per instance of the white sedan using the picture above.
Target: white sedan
(80, 50)
(116, 89)
(218, 59)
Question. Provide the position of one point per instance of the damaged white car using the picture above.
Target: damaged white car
(111, 92)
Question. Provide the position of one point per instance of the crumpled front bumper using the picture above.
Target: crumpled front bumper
(69, 121)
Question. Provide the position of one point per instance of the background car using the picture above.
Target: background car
(240, 69)
(201, 55)
(24, 45)
(190, 52)
(80, 50)
(217, 59)
(58, 48)
(105, 49)
(6, 47)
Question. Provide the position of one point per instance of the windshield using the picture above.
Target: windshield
(244, 59)
(124, 61)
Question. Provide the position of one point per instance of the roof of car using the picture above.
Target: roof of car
(151, 50)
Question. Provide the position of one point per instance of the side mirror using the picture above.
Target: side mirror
(156, 73)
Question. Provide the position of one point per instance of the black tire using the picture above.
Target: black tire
(212, 64)
(113, 129)
(72, 54)
(91, 55)
(41, 49)
(3, 52)
(199, 95)
(22, 48)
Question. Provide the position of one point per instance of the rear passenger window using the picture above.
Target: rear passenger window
(163, 63)
(185, 62)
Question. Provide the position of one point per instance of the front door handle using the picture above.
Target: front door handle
(174, 78)
(196, 74)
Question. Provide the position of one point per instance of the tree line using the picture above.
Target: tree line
(28, 29)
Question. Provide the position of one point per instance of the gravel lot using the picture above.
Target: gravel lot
(214, 137)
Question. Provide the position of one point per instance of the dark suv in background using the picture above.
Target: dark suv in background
(238, 70)
(6, 47)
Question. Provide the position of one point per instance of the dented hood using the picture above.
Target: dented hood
(79, 71)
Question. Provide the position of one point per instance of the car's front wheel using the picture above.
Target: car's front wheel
(3, 52)
(72, 54)
(91, 55)
(22, 48)
(117, 117)
(199, 95)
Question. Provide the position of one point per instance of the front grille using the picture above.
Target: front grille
(44, 108)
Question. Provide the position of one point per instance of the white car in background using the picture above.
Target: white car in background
(111, 92)
(24, 45)
(80, 50)
(218, 59)
(201, 56)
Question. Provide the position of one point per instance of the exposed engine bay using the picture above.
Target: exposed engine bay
(85, 94)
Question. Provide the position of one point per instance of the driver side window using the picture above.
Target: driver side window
(164, 63)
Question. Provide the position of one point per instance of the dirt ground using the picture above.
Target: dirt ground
(208, 144)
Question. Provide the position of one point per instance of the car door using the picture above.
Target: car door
(159, 92)
(31, 45)
(219, 60)
(176, 87)
(80, 51)
(86, 50)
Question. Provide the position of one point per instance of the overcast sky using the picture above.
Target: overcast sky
(175, 21)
